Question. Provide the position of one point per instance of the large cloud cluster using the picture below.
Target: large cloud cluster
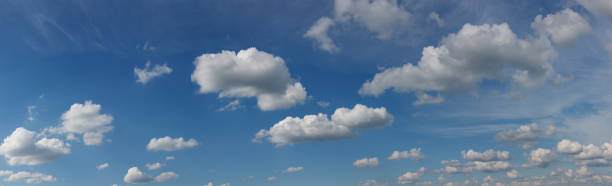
(587, 155)
(466, 58)
(525, 135)
(23, 147)
(248, 73)
(319, 127)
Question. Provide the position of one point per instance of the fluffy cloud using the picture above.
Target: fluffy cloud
(488, 155)
(154, 166)
(27, 177)
(592, 155)
(170, 144)
(411, 177)
(84, 119)
(23, 147)
(568, 147)
(103, 166)
(318, 32)
(147, 73)
(600, 7)
(466, 58)
(135, 176)
(563, 27)
(513, 174)
(489, 166)
(366, 163)
(383, 17)
(248, 73)
(319, 127)
(293, 169)
(414, 154)
(525, 135)
(541, 158)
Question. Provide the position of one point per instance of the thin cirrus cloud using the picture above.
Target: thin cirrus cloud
(24, 147)
(248, 73)
(146, 74)
(135, 176)
(319, 127)
(170, 144)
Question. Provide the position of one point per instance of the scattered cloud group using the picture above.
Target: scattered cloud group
(319, 127)
(27, 177)
(248, 73)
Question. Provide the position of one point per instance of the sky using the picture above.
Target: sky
(288, 92)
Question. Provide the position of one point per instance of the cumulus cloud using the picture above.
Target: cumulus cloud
(383, 17)
(293, 169)
(102, 166)
(248, 73)
(414, 154)
(513, 174)
(366, 163)
(135, 176)
(318, 32)
(568, 147)
(23, 147)
(27, 177)
(563, 27)
(592, 155)
(489, 166)
(599, 7)
(525, 135)
(466, 58)
(84, 119)
(411, 177)
(488, 155)
(371, 183)
(170, 144)
(319, 127)
(147, 73)
(541, 158)
(154, 166)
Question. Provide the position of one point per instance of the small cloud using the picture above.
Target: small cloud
(366, 163)
(231, 106)
(147, 73)
(433, 16)
(323, 104)
(272, 178)
(103, 166)
(293, 169)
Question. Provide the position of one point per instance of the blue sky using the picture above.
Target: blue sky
(286, 92)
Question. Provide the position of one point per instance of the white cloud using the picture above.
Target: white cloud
(513, 174)
(231, 106)
(488, 155)
(414, 154)
(424, 98)
(154, 166)
(147, 73)
(248, 73)
(170, 157)
(293, 169)
(563, 27)
(600, 7)
(31, 112)
(489, 166)
(272, 178)
(366, 163)
(23, 147)
(466, 58)
(319, 127)
(84, 119)
(525, 135)
(541, 158)
(170, 144)
(371, 183)
(102, 166)
(225, 184)
(435, 17)
(27, 177)
(165, 176)
(568, 147)
(383, 17)
(411, 177)
(318, 32)
(209, 184)
(323, 104)
(135, 176)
